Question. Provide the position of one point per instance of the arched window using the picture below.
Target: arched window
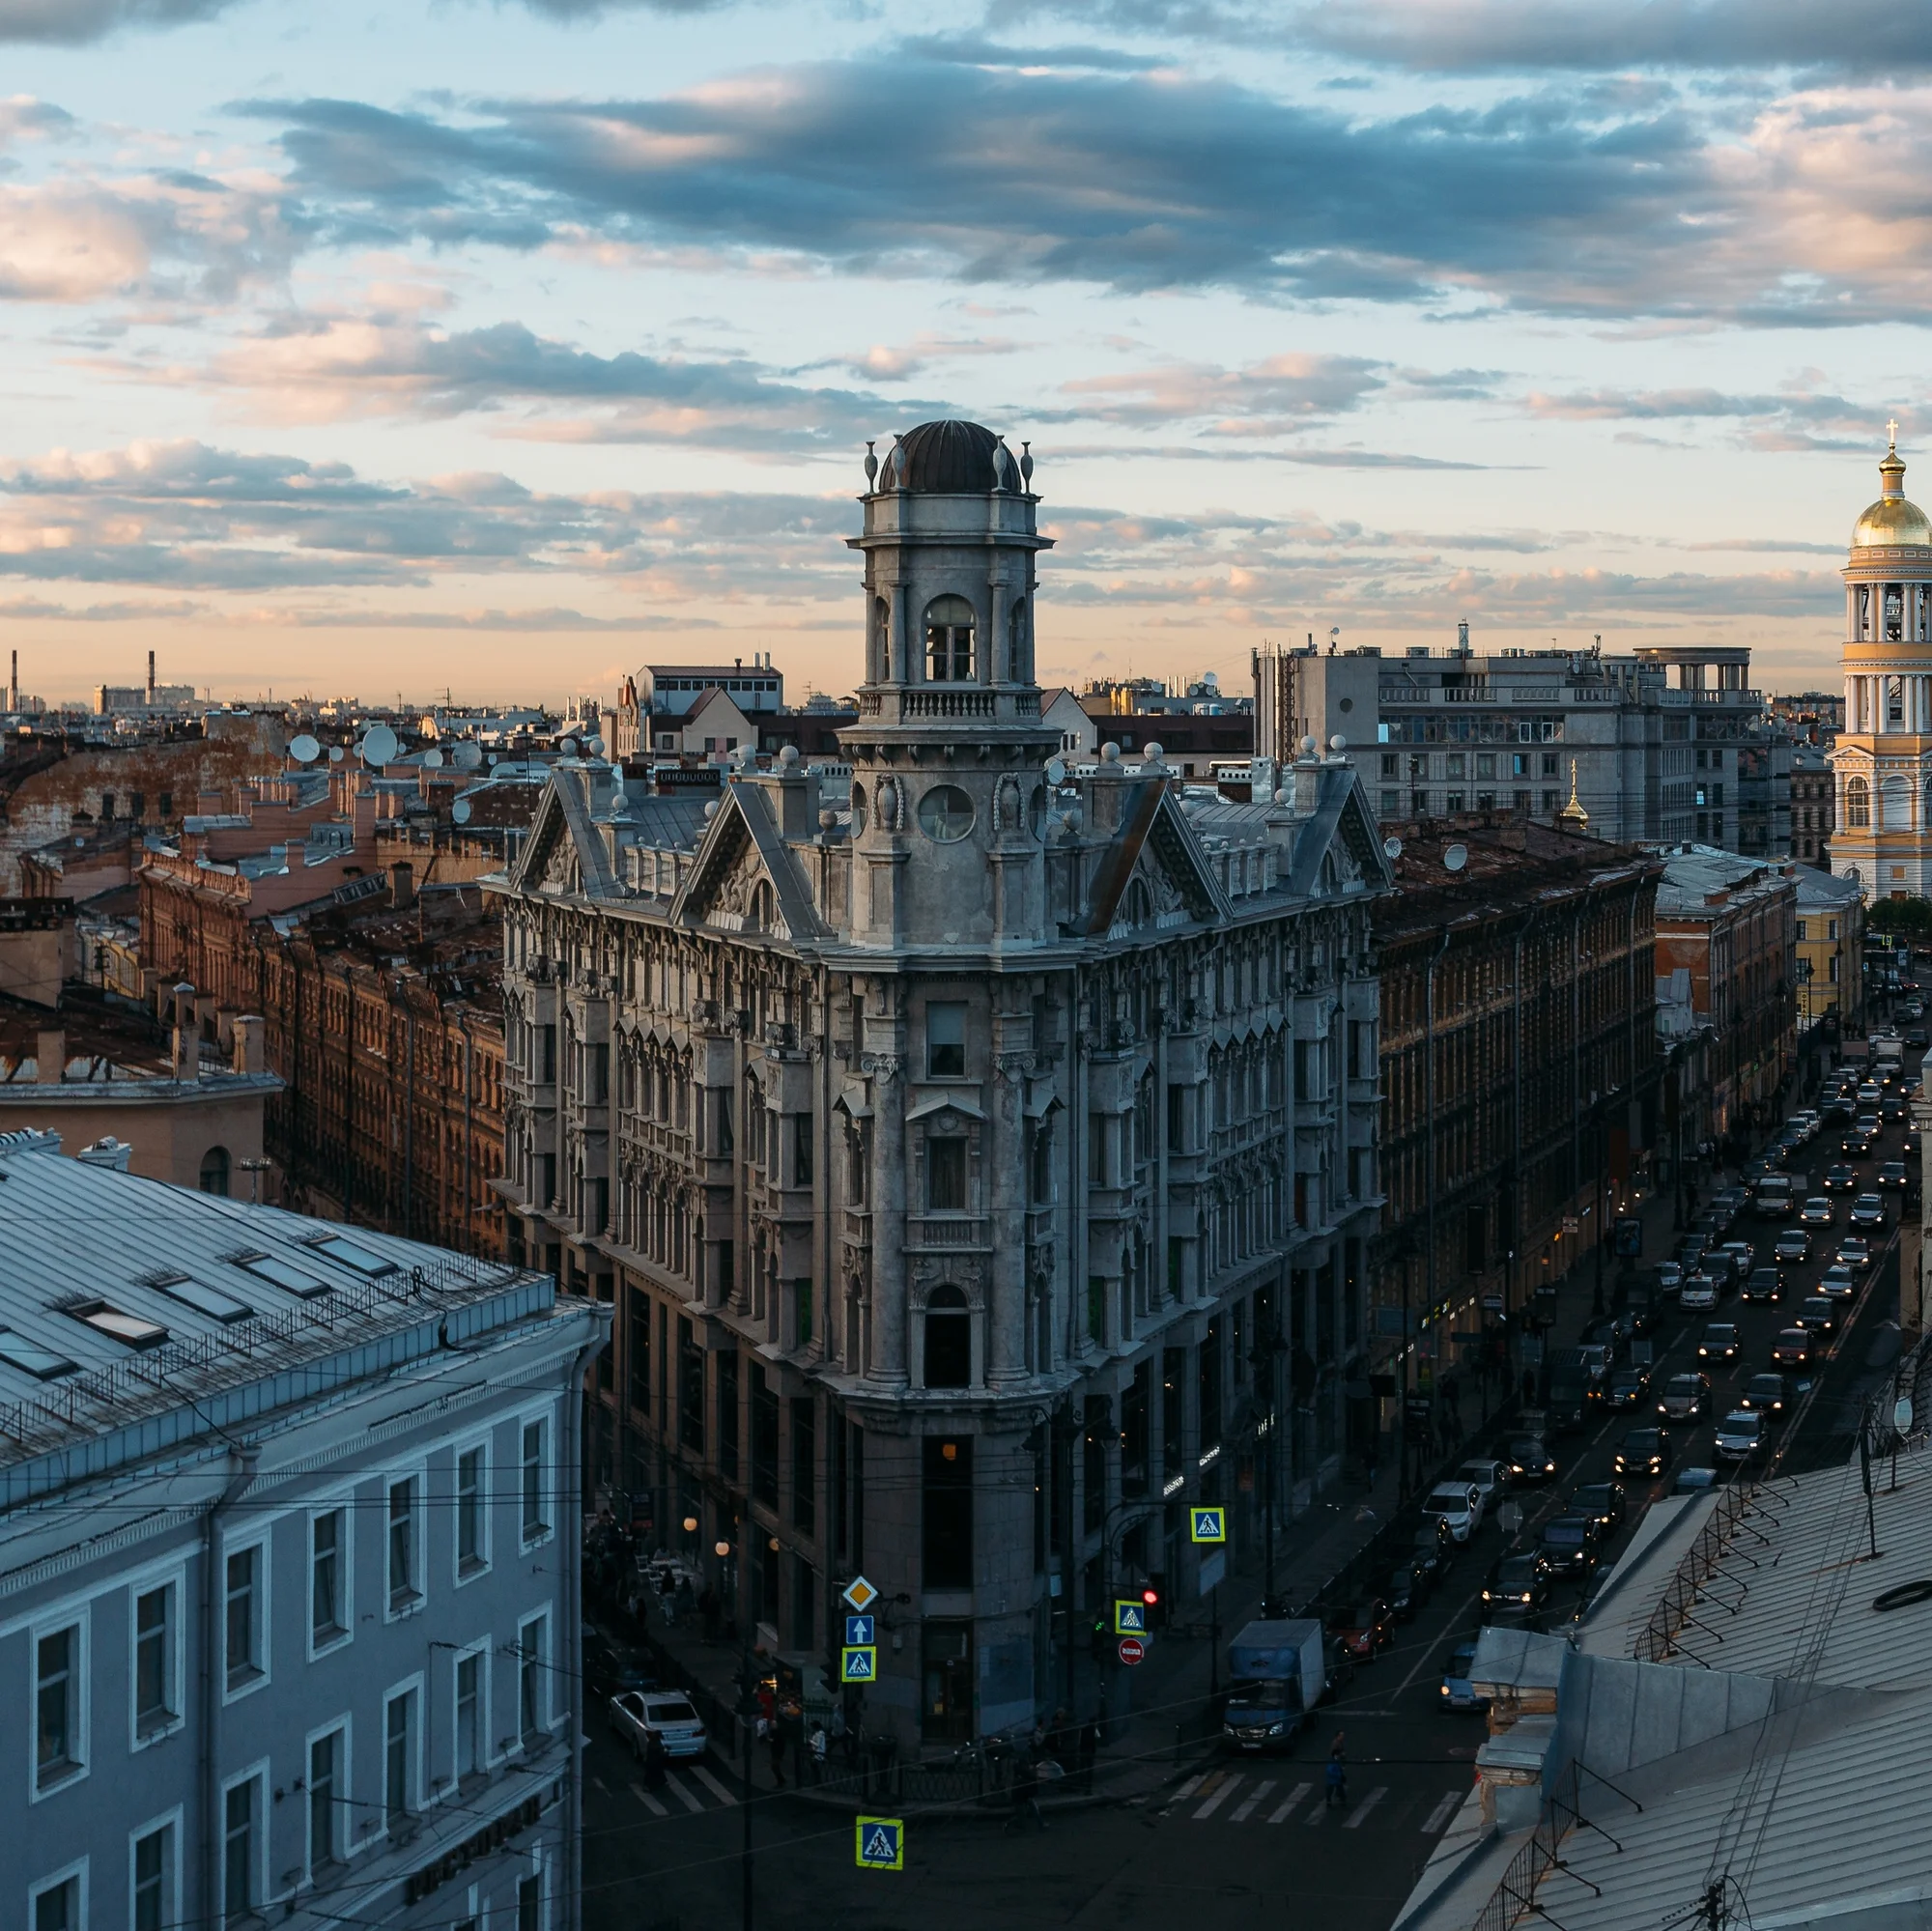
(882, 638)
(1857, 804)
(1016, 670)
(948, 1339)
(858, 811)
(215, 1171)
(948, 641)
(764, 908)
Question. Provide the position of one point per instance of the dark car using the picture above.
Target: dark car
(1792, 1246)
(1528, 1460)
(1892, 1174)
(1516, 1589)
(1891, 1110)
(1840, 1180)
(1629, 1386)
(1456, 1692)
(1765, 1393)
(1361, 1627)
(1764, 1284)
(1794, 1348)
(1433, 1547)
(1919, 1037)
(1644, 1452)
(1819, 1315)
(1568, 1546)
(1407, 1591)
(1602, 1501)
(610, 1668)
(1719, 1343)
(1868, 1210)
(1857, 1146)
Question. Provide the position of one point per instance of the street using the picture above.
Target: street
(1251, 1838)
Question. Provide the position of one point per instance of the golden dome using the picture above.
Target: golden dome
(1891, 522)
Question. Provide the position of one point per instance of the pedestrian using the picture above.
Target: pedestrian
(654, 1761)
(774, 1742)
(712, 1611)
(819, 1744)
(1026, 1789)
(1088, 1748)
(1335, 1776)
(685, 1601)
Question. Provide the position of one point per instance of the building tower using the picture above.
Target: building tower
(1882, 760)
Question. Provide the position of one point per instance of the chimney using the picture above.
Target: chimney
(294, 854)
(249, 1054)
(151, 677)
(208, 801)
(402, 885)
(50, 1057)
(13, 684)
(187, 1041)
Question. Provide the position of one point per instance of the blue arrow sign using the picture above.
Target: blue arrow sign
(860, 1631)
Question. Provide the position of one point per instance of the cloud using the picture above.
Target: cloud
(1795, 418)
(1267, 398)
(1602, 200)
(75, 22)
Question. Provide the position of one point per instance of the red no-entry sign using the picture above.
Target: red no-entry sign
(1132, 1649)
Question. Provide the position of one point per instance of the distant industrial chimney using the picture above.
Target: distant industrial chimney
(14, 683)
(151, 677)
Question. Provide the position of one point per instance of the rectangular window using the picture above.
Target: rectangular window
(944, 1040)
(403, 1556)
(537, 1435)
(57, 1906)
(399, 1744)
(765, 1440)
(157, 1703)
(690, 1389)
(802, 1151)
(58, 1683)
(242, 1625)
(154, 1879)
(473, 1548)
(326, 1799)
(945, 1174)
(637, 1343)
(241, 1824)
(529, 1904)
(727, 1413)
(1096, 1149)
(328, 1592)
(532, 1698)
(469, 1757)
(800, 1308)
(946, 1528)
(803, 1463)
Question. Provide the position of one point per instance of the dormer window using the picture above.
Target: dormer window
(948, 641)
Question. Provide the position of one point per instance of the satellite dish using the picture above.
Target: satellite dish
(1455, 858)
(1392, 847)
(380, 746)
(335, 754)
(434, 759)
(1901, 1414)
(460, 811)
(304, 750)
(467, 755)
(1056, 771)
(492, 757)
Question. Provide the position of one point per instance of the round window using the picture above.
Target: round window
(945, 814)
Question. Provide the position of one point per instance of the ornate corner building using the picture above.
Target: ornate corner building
(979, 1155)
(1883, 759)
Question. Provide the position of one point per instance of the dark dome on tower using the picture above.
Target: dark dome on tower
(950, 458)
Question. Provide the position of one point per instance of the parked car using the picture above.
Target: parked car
(1408, 1589)
(1529, 1459)
(610, 1668)
(1568, 1546)
(1819, 1315)
(1892, 1174)
(1792, 1248)
(1740, 1435)
(1839, 1283)
(1458, 1504)
(1685, 1397)
(1362, 1627)
(1604, 1501)
(1719, 1343)
(1456, 1692)
(1667, 1277)
(1490, 1479)
(1764, 1284)
(1766, 1395)
(1644, 1452)
(1629, 1386)
(1840, 1180)
(1516, 1589)
(1794, 1348)
(638, 1715)
(1432, 1549)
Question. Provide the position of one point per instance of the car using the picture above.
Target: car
(1613, 1331)
(1644, 1452)
(1744, 1257)
(1718, 1342)
(1698, 1293)
(1918, 1038)
(1490, 1479)
(638, 1714)
(1529, 1459)
(1892, 1174)
(1458, 1504)
(1361, 1627)
(1428, 1552)
(1740, 1435)
(1516, 1589)
(1820, 1315)
(1629, 1386)
(1891, 1110)
(1911, 1143)
(1568, 1546)
(1871, 1092)
(1456, 1692)
(1839, 1283)
(1765, 1284)
(1868, 1210)
(1854, 1253)
(1407, 1590)
(1691, 1254)
(610, 1668)
(1840, 1180)
(1602, 1500)
(1836, 1111)
(1668, 1277)
(1730, 1200)
(1794, 1348)
(1722, 1268)
(1793, 1247)
(1805, 1121)
(1766, 1394)
(1818, 1210)
(1685, 1397)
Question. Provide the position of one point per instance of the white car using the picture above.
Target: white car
(1458, 1504)
(1699, 1291)
(1740, 1434)
(638, 1714)
(1490, 1479)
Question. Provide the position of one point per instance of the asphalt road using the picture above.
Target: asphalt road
(1248, 1839)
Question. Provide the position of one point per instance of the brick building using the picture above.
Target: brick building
(1813, 796)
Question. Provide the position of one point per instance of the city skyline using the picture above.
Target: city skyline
(506, 348)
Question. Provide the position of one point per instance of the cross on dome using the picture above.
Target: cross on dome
(1891, 432)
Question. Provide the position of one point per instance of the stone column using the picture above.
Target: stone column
(1005, 1286)
(888, 1362)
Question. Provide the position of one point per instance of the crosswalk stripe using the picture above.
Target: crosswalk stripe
(649, 1802)
(712, 1784)
(1219, 1796)
(1288, 1802)
(1247, 1810)
(682, 1794)
(1354, 1819)
(1442, 1813)
(1185, 1791)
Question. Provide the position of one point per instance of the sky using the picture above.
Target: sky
(502, 346)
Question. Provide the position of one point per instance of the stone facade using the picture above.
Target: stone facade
(967, 1146)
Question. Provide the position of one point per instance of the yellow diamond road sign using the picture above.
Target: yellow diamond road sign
(1207, 1525)
(861, 1594)
(881, 1844)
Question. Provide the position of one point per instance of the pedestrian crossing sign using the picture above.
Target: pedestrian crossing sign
(881, 1844)
(1130, 1617)
(859, 1664)
(1207, 1525)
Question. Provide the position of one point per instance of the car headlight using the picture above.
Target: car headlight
(1275, 1729)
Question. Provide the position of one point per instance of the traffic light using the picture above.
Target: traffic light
(1150, 1596)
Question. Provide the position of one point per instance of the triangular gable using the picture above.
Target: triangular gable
(741, 849)
(563, 852)
(1155, 839)
(1340, 817)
